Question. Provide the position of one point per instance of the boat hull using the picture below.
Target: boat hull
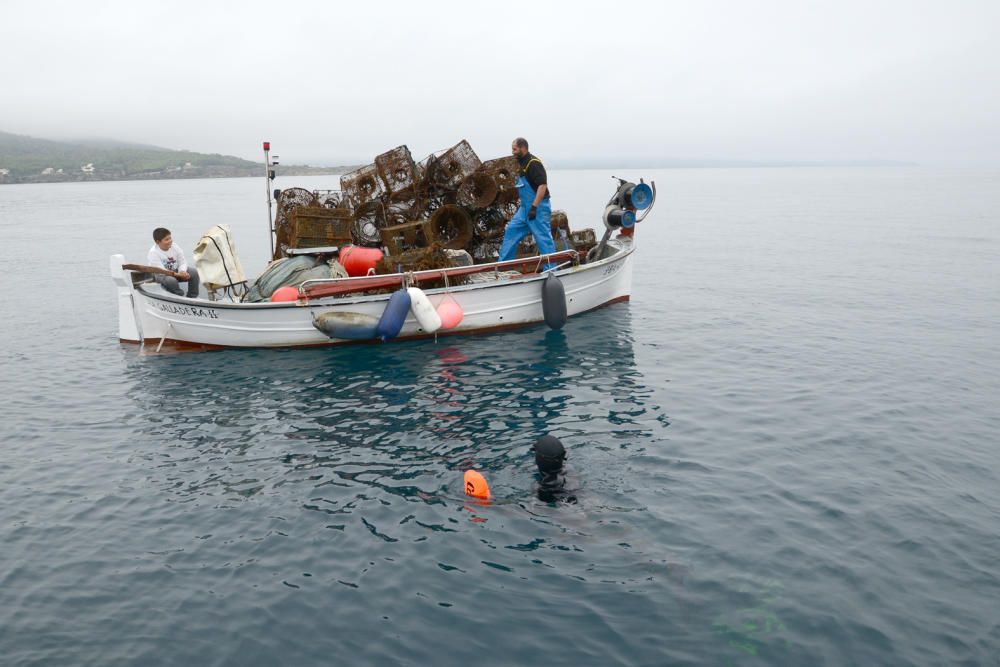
(494, 306)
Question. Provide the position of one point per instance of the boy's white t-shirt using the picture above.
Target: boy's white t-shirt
(171, 260)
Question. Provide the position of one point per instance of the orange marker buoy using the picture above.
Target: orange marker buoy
(476, 486)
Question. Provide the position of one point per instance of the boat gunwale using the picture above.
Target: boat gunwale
(327, 301)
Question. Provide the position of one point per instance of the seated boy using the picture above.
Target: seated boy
(168, 255)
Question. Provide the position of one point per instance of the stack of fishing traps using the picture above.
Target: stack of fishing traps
(450, 199)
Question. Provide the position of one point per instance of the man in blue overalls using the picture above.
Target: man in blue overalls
(535, 214)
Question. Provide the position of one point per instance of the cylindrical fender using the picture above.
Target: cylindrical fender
(422, 309)
(554, 302)
(347, 326)
(391, 322)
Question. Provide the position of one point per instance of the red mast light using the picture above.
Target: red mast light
(267, 145)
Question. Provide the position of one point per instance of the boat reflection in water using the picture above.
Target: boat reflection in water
(340, 470)
(399, 418)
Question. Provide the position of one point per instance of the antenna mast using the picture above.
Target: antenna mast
(268, 177)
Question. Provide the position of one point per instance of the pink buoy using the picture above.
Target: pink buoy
(450, 313)
(285, 294)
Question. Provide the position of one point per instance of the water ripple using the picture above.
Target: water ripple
(781, 452)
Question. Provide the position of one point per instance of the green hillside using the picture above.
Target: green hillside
(30, 160)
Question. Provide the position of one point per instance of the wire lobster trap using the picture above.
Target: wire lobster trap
(559, 221)
(528, 247)
(430, 202)
(486, 251)
(362, 185)
(399, 212)
(329, 198)
(317, 226)
(447, 170)
(506, 209)
(478, 190)
(488, 223)
(397, 239)
(504, 171)
(583, 239)
(292, 198)
(450, 226)
(369, 220)
(397, 171)
(287, 201)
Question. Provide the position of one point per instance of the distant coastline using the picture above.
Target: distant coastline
(26, 159)
(192, 174)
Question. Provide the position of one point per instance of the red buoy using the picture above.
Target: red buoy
(357, 261)
(285, 294)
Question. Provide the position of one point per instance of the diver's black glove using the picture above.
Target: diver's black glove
(531, 212)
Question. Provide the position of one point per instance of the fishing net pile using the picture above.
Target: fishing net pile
(449, 200)
(291, 272)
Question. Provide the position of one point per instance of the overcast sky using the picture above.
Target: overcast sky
(332, 83)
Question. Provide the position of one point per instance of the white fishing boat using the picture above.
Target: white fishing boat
(491, 296)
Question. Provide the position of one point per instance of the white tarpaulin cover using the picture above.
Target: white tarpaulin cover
(215, 257)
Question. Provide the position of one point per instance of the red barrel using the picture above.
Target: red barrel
(357, 260)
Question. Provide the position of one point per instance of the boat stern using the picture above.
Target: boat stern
(128, 323)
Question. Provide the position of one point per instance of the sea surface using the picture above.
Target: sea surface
(784, 450)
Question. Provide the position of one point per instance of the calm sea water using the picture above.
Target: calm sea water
(782, 451)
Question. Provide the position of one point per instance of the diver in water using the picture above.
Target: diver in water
(549, 457)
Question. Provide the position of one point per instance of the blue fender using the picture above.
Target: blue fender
(391, 322)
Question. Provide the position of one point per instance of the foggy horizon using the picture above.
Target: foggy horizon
(717, 82)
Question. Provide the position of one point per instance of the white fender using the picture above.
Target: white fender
(422, 309)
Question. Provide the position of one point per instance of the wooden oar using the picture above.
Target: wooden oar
(147, 269)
